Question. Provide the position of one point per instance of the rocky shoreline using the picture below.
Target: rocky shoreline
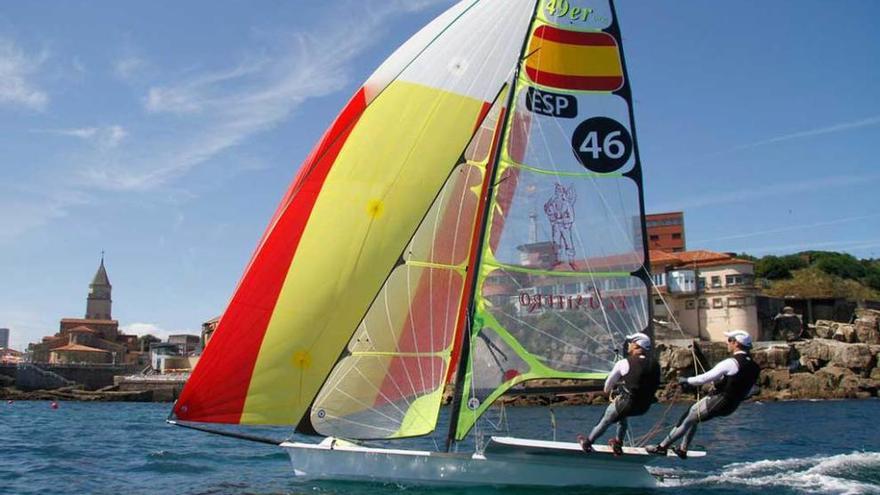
(809, 369)
(840, 362)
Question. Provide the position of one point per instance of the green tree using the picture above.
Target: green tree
(845, 266)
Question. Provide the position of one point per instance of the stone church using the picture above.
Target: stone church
(94, 339)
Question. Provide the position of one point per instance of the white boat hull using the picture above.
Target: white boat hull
(505, 461)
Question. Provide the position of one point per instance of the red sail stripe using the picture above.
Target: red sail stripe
(216, 392)
(472, 256)
(551, 33)
(582, 83)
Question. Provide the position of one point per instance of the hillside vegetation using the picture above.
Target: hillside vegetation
(819, 274)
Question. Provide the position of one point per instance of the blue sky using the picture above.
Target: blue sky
(165, 133)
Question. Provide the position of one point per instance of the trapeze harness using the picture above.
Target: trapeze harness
(732, 390)
(639, 385)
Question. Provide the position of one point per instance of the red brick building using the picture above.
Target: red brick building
(666, 231)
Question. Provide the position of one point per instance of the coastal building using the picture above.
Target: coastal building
(186, 344)
(4, 338)
(10, 356)
(208, 328)
(666, 232)
(94, 339)
(704, 293)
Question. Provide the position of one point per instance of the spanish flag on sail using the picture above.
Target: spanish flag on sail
(585, 61)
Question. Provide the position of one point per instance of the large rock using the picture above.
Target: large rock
(867, 333)
(774, 357)
(845, 332)
(836, 377)
(816, 353)
(775, 380)
(808, 386)
(675, 360)
(824, 329)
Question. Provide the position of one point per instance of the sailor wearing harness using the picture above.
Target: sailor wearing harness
(634, 381)
(734, 378)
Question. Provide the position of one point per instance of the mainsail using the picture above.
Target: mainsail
(481, 194)
(560, 273)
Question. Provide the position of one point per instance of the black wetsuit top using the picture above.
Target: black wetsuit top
(733, 389)
(640, 383)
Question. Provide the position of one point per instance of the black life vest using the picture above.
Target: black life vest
(641, 381)
(735, 388)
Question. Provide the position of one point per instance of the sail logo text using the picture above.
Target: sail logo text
(564, 9)
(561, 8)
(569, 302)
(551, 104)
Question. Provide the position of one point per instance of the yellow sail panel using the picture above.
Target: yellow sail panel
(383, 181)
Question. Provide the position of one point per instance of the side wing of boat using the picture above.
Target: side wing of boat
(512, 445)
(505, 461)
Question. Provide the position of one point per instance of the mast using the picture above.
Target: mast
(636, 174)
(464, 355)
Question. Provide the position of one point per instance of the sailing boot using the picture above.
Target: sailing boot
(656, 449)
(681, 452)
(616, 446)
(585, 444)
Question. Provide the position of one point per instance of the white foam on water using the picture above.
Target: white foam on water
(817, 474)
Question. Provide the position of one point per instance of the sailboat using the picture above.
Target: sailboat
(473, 219)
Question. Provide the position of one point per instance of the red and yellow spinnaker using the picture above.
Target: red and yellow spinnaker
(336, 240)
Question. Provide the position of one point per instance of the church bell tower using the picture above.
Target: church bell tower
(99, 301)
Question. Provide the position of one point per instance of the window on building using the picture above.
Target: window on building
(716, 281)
(572, 288)
(676, 235)
(736, 302)
(689, 304)
(654, 237)
(701, 283)
(658, 301)
(717, 302)
(704, 303)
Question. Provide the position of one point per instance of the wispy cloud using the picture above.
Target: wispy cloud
(770, 190)
(104, 137)
(20, 213)
(16, 70)
(792, 228)
(128, 67)
(223, 107)
(843, 126)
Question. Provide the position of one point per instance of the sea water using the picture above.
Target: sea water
(127, 448)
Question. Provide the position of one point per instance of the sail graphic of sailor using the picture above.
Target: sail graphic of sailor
(426, 184)
(560, 211)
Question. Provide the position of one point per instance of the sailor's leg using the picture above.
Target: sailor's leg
(622, 427)
(695, 414)
(687, 438)
(608, 418)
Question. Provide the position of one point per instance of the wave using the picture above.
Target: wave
(856, 473)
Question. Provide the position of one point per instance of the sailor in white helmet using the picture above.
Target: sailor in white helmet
(633, 381)
(734, 379)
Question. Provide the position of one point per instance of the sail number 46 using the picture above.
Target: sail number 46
(601, 144)
(612, 146)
